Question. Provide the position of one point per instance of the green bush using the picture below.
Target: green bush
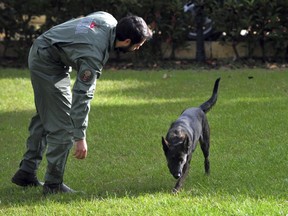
(265, 21)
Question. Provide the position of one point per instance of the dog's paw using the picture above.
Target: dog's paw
(175, 191)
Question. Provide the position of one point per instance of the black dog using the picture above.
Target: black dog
(183, 135)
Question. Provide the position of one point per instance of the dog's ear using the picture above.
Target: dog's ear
(165, 144)
(186, 144)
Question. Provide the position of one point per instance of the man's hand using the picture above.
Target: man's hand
(81, 149)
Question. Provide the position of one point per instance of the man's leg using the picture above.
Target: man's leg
(53, 98)
(36, 143)
(51, 85)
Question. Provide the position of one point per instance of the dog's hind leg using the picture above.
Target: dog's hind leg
(205, 146)
(205, 150)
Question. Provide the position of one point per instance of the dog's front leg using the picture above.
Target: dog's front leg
(180, 181)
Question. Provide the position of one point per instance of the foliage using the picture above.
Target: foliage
(269, 24)
(229, 19)
(265, 22)
(15, 25)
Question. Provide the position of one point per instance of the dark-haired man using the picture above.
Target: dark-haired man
(61, 115)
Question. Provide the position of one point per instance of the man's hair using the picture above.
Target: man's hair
(133, 28)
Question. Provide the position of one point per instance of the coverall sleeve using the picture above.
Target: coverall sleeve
(83, 92)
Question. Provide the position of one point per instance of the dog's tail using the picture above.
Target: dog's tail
(206, 106)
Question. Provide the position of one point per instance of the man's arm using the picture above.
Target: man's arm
(83, 92)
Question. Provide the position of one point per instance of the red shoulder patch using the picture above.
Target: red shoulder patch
(92, 25)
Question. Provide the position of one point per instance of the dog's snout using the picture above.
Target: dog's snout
(177, 175)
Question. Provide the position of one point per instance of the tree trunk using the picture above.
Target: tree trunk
(200, 45)
(234, 46)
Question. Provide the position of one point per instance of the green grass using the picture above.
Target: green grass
(125, 172)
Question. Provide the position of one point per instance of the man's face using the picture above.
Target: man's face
(131, 47)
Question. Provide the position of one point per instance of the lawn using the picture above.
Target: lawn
(125, 172)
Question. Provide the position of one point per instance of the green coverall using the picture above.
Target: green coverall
(62, 117)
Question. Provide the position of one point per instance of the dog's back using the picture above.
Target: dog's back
(192, 118)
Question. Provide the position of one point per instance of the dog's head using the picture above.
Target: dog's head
(176, 149)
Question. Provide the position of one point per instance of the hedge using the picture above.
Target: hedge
(264, 22)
